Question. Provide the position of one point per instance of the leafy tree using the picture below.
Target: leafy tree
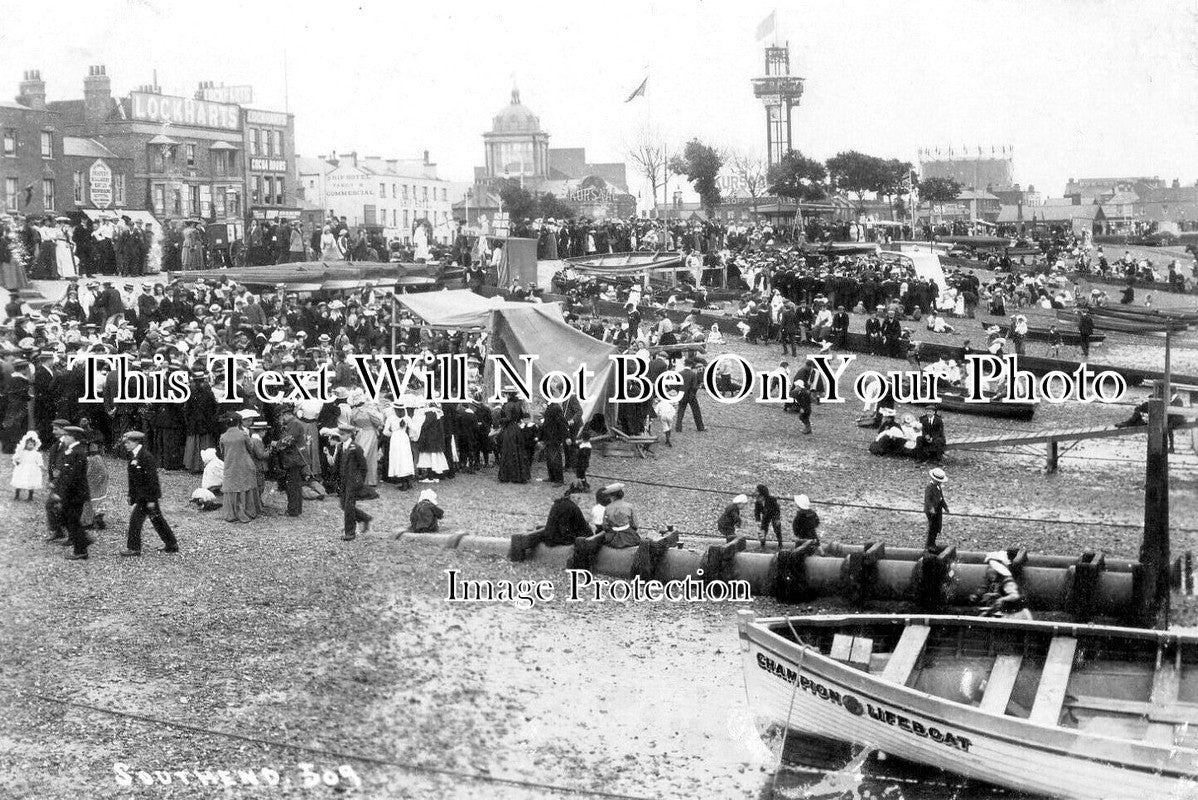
(517, 201)
(857, 173)
(798, 177)
(701, 164)
(550, 206)
(939, 190)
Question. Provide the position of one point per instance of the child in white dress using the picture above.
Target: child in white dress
(27, 466)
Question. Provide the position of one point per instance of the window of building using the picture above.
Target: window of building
(159, 199)
(10, 194)
(405, 219)
(10, 141)
(78, 176)
(268, 193)
(48, 193)
(255, 142)
(394, 192)
(279, 190)
(382, 190)
(157, 161)
(219, 200)
(405, 193)
(256, 190)
(47, 144)
(191, 155)
(177, 209)
(394, 219)
(425, 194)
(194, 200)
(234, 202)
(118, 189)
(277, 136)
(444, 195)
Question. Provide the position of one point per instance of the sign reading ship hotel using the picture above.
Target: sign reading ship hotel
(184, 111)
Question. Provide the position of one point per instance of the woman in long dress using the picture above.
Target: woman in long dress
(64, 250)
(47, 253)
(420, 242)
(328, 246)
(193, 252)
(513, 461)
(241, 500)
(400, 464)
(430, 445)
(367, 418)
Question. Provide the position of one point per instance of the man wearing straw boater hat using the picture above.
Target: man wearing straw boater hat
(934, 506)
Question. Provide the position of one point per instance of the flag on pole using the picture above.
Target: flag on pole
(639, 91)
(768, 26)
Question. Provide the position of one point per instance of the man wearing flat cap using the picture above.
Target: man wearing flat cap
(144, 494)
(349, 464)
(70, 490)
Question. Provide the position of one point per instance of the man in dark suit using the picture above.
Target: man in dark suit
(144, 494)
(1085, 329)
(290, 448)
(691, 378)
(840, 328)
(71, 491)
(350, 465)
(44, 398)
(931, 437)
(934, 506)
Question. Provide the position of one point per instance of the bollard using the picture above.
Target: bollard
(790, 580)
(524, 543)
(585, 550)
(858, 572)
(717, 563)
(1081, 586)
(931, 578)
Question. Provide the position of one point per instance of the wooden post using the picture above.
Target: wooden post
(1154, 549)
(1052, 455)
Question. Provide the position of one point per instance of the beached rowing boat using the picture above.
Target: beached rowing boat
(612, 264)
(1124, 324)
(1079, 711)
(952, 400)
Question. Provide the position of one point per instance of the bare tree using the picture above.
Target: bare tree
(648, 152)
(751, 173)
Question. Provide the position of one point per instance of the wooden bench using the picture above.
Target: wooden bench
(1000, 684)
(1054, 679)
(852, 650)
(906, 654)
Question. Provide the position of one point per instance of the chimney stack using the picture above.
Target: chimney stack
(426, 157)
(97, 95)
(33, 90)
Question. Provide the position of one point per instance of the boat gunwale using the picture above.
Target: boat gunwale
(1011, 730)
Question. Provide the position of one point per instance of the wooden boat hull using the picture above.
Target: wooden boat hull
(612, 264)
(1121, 324)
(789, 689)
(955, 403)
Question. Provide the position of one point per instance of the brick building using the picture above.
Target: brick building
(34, 178)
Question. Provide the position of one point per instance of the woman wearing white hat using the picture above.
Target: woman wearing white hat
(730, 519)
(425, 513)
(400, 464)
(806, 521)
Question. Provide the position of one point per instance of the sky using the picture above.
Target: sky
(1077, 87)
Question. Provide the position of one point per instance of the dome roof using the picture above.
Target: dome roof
(516, 118)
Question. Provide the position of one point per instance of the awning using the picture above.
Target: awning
(145, 217)
(160, 139)
(222, 146)
(455, 308)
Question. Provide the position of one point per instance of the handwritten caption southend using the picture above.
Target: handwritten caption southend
(304, 775)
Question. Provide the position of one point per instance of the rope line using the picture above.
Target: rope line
(868, 507)
(337, 754)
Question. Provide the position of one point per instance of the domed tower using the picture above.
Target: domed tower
(516, 146)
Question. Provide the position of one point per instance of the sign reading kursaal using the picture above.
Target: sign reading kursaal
(446, 378)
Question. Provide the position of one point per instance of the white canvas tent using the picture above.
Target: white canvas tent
(455, 308)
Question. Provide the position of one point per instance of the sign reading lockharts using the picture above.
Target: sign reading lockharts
(184, 111)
